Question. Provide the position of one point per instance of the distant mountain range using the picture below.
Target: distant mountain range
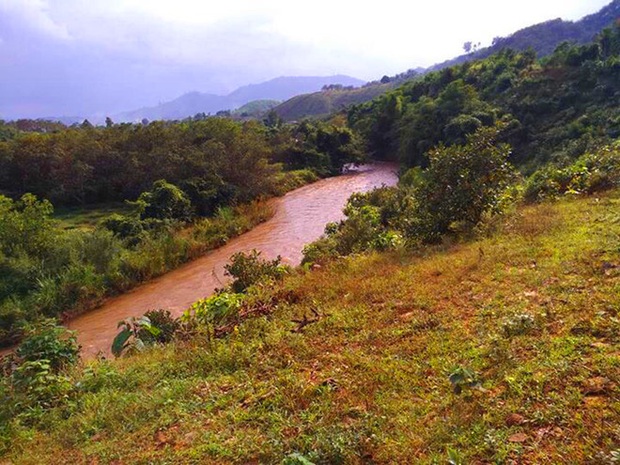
(282, 88)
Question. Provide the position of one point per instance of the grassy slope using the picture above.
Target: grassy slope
(369, 381)
(89, 217)
(327, 102)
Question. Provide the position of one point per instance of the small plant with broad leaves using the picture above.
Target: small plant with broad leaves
(209, 313)
(132, 338)
(248, 269)
(162, 320)
(464, 378)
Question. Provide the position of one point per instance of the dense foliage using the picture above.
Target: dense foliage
(462, 185)
(196, 174)
(556, 108)
(34, 378)
(215, 161)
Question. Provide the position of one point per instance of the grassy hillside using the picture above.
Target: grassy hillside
(525, 321)
(327, 101)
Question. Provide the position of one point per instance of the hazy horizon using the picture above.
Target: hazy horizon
(72, 58)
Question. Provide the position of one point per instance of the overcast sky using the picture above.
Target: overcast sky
(83, 57)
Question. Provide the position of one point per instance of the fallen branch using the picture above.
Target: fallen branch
(305, 321)
(262, 308)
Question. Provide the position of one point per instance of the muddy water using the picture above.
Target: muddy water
(300, 217)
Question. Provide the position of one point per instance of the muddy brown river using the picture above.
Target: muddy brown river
(300, 217)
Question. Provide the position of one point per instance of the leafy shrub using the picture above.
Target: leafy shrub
(123, 226)
(216, 309)
(100, 249)
(461, 184)
(373, 222)
(592, 172)
(249, 269)
(37, 380)
(40, 386)
(164, 201)
(49, 341)
(321, 250)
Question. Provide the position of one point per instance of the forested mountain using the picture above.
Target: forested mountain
(281, 88)
(542, 38)
(555, 108)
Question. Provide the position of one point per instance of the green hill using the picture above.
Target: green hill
(543, 38)
(255, 108)
(326, 102)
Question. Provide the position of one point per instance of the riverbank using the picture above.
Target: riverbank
(298, 218)
(101, 265)
(528, 313)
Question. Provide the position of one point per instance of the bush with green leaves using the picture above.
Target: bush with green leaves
(216, 309)
(37, 387)
(49, 341)
(463, 185)
(124, 226)
(164, 322)
(595, 171)
(36, 379)
(460, 186)
(373, 222)
(164, 201)
(248, 269)
(207, 315)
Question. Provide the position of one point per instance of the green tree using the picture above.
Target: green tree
(461, 184)
(164, 201)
